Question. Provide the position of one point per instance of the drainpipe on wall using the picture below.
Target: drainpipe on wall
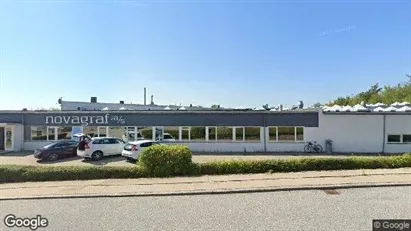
(383, 133)
(265, 133)
(23, 123)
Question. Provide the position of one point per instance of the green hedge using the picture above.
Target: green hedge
(303, 164)
(176, 160)
(166, 160)
(21, 173)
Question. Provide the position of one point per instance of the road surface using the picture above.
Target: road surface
(349, 209)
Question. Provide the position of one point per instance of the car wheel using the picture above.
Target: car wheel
(53, 157)
(97, 155)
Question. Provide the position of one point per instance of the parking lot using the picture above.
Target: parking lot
(27, 158)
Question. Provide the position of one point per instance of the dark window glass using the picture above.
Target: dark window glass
(168, 137)
(406, 138)
(114, 141)
(394, 138)
(65, 144)
(145, 145)
(97, 142)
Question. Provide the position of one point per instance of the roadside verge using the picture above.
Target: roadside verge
(207, 184)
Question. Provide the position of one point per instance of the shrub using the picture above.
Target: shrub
(160, 161)
(303, 164)
(16, 173)
(166, 160)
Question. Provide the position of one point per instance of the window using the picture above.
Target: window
(97, 142)
(394, 139)
(38, 133)
(299, 133)
(185, 133)
(272, 133)
(172, 133)
(146, 132)
(91, 131)
(212, 133)
(145, 145)
(167, 136)
(62, 144)
(197, 133)
(252, 134)
(114, 141)
(102, 131)
(239, 133)
(225, 134)
(286, 134)
(64, 133)
(406, 138)
(117, 132)
(106, 141)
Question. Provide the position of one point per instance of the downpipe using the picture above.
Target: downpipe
(383, 133)
(265, 133)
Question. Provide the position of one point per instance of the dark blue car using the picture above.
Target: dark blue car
(57, 150)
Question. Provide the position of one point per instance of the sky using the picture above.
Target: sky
(232, 53)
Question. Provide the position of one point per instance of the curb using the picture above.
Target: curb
(212, 192)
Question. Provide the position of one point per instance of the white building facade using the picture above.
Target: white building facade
(271, 132)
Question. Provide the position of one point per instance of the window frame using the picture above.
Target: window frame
(406, 142)
(391, 142)
(235, 134)
(276, 140)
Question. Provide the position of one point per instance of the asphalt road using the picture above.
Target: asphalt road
(28, 159)
(352, 209)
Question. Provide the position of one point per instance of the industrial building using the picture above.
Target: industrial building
(359, 129)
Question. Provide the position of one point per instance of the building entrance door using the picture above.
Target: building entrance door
(2, 139)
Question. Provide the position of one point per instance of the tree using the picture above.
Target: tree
(317, 105)
(387, 95)
(215, 106)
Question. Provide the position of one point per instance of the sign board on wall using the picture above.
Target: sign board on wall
(309, 119)
(86, 120)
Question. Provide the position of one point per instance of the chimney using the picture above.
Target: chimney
(145, 96)
(300, 104)
(152, 100)
(93, 100)
(121, 102)
(280, 107)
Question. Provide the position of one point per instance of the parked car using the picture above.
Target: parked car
(132, 136)
(57, 150)
(98, 147)
(166, 137)
(132, 150)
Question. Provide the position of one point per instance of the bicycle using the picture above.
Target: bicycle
(313, 147)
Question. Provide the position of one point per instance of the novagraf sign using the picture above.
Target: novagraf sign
(84, 120)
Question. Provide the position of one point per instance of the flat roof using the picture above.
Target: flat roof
(216, 111)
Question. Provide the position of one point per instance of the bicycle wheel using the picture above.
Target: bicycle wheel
(318, 148)
(308, 148)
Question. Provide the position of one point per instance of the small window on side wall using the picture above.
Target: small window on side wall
(394, 139)
(406, 138)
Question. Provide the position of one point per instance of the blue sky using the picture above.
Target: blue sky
(233, 53)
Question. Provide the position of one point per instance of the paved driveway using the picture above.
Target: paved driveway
(27, 158)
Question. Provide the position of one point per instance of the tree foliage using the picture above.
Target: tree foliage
(387, 95)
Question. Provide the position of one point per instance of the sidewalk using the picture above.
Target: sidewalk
(206, 184)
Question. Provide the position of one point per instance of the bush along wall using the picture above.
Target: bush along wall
(176, 160)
